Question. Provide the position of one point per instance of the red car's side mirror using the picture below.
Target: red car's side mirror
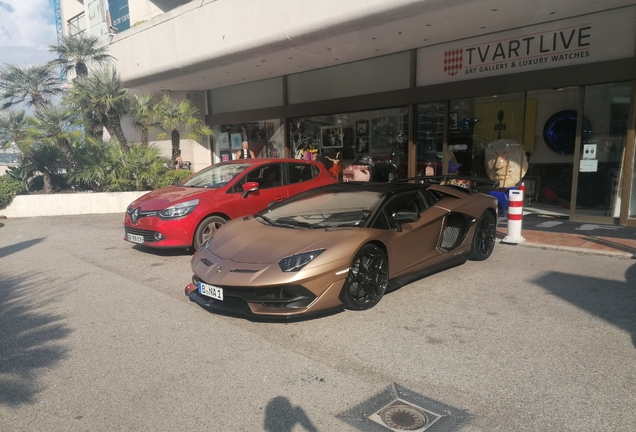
(249, 187)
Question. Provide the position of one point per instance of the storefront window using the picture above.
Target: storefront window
(487, 138)
(429, 139)
(368, 145)
(602, 146)
(265, 139)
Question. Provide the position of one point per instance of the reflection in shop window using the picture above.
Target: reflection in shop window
(265, 138)
(361, 146)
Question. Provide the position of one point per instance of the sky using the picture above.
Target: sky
(27, 27)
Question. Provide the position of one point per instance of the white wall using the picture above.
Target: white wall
(69, 204)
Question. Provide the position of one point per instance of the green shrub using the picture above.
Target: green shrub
(172, 177)
(105, 167)
(8, 189)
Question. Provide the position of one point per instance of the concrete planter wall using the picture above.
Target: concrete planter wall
(69, 204)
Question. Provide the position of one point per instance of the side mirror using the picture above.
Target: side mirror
(406, 216)
(249, 187)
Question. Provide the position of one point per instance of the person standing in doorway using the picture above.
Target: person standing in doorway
(245, 152)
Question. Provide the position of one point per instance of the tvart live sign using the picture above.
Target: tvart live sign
(580, 40)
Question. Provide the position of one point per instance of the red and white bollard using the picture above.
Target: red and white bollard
(515, 216)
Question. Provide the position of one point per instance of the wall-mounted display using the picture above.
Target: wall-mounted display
(237, 138)
(223, 139)
(362, 128)
(383, 132)
(362, 145)
(559, 132)
(331, 136)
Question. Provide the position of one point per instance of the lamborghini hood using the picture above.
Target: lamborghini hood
(250, 241)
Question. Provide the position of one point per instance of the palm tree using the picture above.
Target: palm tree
(57, 126)
(174, 116)
(144, 118)
(102, 93)
(75, 53)
(13, 126)
(31, 85)
(34, 156)
(43, 158)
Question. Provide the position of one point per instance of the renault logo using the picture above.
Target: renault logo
(135, 216)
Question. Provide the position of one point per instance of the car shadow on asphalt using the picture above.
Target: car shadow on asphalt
(31, 339)
(163, 252)
(612, 301)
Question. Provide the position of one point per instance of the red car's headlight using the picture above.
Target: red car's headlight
(179, 210)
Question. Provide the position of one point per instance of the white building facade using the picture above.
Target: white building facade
(427, 86)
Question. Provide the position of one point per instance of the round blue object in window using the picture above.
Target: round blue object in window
(559, 132)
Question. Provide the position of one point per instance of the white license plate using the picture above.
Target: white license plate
(211, 291)
(135, 238)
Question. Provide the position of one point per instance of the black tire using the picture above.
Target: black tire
(206, 228)
(485, 237)
(367, 280)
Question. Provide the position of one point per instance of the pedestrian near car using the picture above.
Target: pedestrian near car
(178, 162)
(245, 152)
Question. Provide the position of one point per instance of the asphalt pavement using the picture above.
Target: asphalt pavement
(96, 335)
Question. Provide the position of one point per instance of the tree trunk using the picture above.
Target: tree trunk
(87, 120)
(48, 183)
(176, 143)
(67, 151)
(144, 136)
(115, 130)
(98, 126)
(81, 70)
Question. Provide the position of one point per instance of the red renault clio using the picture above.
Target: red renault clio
(186, 215)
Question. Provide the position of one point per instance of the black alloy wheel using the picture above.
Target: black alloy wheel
(367, 280)
(206, 228)
(485, 236)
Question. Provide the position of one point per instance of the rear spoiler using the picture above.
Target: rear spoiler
(472, 184)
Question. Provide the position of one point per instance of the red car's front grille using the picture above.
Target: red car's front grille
(149, 236)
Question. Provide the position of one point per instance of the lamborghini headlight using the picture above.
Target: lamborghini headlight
(179, 210)
(296, 262)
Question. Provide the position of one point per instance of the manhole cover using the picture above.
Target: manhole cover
(398, 409)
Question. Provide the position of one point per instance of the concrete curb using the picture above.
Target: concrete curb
(624, 255)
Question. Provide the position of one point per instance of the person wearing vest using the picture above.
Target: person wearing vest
(245, 152)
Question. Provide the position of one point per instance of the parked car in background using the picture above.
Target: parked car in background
(186, 215)
(341, 246)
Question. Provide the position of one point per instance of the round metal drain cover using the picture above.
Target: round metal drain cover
(403, 417)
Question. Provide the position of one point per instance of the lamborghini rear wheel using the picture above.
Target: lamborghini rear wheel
(367, 280)
(485, 237)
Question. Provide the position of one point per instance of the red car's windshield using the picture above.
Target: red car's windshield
(215, 176)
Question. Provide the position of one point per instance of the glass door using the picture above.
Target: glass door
(601, 154)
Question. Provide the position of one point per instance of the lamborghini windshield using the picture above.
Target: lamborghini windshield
(324, 210)
(215, 176)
